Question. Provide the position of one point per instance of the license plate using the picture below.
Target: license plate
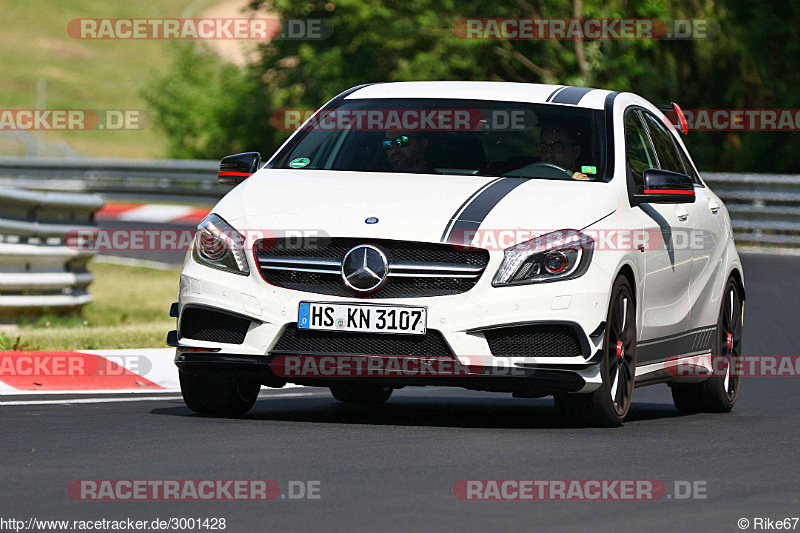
(363, 317)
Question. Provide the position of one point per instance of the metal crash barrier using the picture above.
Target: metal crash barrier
(40, 268)
(764, 208)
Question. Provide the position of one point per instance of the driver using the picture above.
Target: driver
(559, 145)
(406, 151)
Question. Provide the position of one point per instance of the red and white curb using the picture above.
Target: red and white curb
(98, 371)
(154, 213)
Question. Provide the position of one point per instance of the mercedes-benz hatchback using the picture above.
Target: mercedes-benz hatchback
(527, 239)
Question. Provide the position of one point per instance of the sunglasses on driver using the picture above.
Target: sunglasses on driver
(400, 142)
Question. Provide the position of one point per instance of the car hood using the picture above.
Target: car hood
(420, 207)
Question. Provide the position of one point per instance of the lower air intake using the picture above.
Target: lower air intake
(212, 326)
(534, 341)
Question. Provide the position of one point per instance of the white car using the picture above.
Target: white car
(529, 239)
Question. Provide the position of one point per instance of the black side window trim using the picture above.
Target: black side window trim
(683, 156)
(629, 176)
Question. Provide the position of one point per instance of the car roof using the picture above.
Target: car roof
(534, 93)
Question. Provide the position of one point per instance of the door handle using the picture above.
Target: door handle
(714, 206)
(683, 214)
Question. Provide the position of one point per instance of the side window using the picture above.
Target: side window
(638, 152)
(689, 168)
(667, 152)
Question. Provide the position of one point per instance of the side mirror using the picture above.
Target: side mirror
(665, 187)
(237, 168)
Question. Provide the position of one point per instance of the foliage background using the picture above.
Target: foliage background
(209, 109)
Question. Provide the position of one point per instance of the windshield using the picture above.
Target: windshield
(449, 136)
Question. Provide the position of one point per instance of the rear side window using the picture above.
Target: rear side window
(668, 156)
(638, 152)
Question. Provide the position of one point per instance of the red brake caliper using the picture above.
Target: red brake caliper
(619, 350)
(729, 341)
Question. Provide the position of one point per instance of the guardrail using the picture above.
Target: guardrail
(172, 178)
(765, 208)
(38, 267)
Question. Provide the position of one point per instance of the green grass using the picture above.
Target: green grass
(88, 338)
(82, 74)
(130, 310)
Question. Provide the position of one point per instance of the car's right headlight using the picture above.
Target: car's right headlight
(554, 256)
(218, 245)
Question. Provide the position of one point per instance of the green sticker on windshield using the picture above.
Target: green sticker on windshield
(300, 162)
(586, 169)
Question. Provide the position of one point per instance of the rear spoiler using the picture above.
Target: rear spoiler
(675, 115)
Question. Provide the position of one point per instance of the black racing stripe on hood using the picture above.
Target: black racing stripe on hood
(571, 95)
(454, 218)
(552, 94)
(476, 211)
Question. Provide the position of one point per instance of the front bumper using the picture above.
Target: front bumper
(462, 320)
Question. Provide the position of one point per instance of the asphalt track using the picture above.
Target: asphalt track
(393, 468)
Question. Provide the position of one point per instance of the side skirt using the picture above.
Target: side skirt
(689, 368)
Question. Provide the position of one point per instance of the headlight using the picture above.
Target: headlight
(555, 256)
(218, 245)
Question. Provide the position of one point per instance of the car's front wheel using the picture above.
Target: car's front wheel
(370, 394)
(218, 396)
(718, 393)
(608, 405)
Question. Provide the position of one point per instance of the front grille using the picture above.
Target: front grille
(534, 341)
(313, 342)
(212, 326)
(416, 269)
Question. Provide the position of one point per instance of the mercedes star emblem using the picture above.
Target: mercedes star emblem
(364, 268)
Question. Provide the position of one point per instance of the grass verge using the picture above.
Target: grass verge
(93, 74)
(130, 310)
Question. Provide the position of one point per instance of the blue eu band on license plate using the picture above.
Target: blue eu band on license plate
(304, 315)
(367, 318)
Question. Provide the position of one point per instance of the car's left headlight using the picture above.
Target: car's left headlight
(559, 255)
(218, 245)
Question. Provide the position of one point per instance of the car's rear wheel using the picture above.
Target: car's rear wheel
(369, 394)
(718, 393)
(218, 396)
(608, 405)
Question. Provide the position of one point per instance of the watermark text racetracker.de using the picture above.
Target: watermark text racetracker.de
(742, 119)
(406, 120)
(374, 366)
(34, 364)
(584, 28)
(598, 239)
(260, 29)
(578, 490)
(193, 490)
(116, 240)
(742, 365)
(73, 119)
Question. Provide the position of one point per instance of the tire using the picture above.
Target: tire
(609, 404)
(718, 393)
(366, 394)
(215, 396)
